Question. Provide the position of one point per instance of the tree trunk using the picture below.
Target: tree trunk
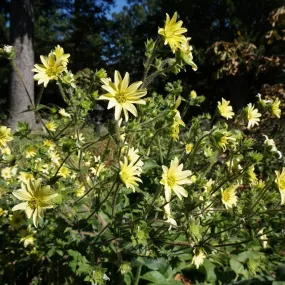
(21, 32)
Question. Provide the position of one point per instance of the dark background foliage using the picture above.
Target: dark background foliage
(95, 39)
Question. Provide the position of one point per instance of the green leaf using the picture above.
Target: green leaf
(236, 266)
(210, 270)
(172, 282)
(154, 276)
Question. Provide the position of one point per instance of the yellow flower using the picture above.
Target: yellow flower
(252, 116)
(51, 126)
(229, 197)
(5, 136)
(122, 96)
(224, 139)
(25, 176)
(3, 212)
(208, 186)
(64, 172)
(6, 151)
(54, 157)
(68, 78)
(252, 176)
(27, 236)
(129, 174)
(172, 32)
(49, 144)
(263, 237)
(168, 216)
(79, 192)
(177, 121)
(6, 173)
(36, 197)
(280, 181)
(198, 257)
(193, 94)
(225, 109)
(172, 179)
(59, 54)
(63, 113)
(16, 220)
(188, 147)
(31, 152)
(186, 52)
(52, 66)
(275, 108)
(271, 145)
(98, 169)
(133, 156)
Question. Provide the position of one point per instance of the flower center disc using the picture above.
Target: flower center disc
(121, 97)
(171, 180)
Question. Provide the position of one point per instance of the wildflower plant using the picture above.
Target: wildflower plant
(153, 195)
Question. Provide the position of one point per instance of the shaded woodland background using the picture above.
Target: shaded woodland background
(238, 44)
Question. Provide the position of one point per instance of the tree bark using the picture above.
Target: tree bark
(21, 33)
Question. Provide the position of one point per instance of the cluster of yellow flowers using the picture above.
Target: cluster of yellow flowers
(53, 67)
(172, 34)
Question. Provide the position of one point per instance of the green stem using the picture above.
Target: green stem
(62, 92)
(22, 81)
(115, 200)
(149, 60)
(138, 274)
(40, 95)
(155, 74)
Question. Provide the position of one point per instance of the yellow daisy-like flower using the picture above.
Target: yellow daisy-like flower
(275, 108)
(6, 151)
(5, 136)
(36, 197)
(280, 181)
(172, 179)
(25, 176)
(198, 257)
(54, 157)
(28, 236)
(50, 144)
(51, 126)
(64, 172)
(31, 152)
(173, 32)
(133, 156)
(177, 121)
(225, 109)
(6, 173)
(122, 96)
(97, 170)
(208, 186)
(252, 115)
(63, 113)
(129, 174)
(59, 54)
(229, 197)
(52, 66)
(188, 147)
(224, 139)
